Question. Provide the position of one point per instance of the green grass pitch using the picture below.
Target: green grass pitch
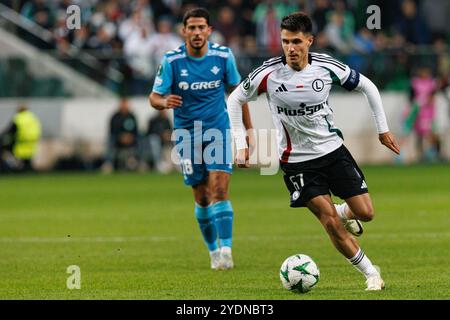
(135, 237)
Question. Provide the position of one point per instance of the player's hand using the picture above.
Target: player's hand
(173, 101)
(251, 141)
(388, 140)
(242, 158)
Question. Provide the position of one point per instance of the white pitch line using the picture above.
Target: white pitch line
(368, 235)
(88, 239)
(119, 239)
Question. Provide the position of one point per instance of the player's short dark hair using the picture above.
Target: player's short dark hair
(196, 13)
(297, 22)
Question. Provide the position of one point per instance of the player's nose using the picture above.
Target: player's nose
(197, 31)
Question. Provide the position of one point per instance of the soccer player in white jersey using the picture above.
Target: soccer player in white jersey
(312, 155)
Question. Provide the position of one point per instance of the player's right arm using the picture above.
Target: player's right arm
(236, 100)
(248, 90)
(161, 98)
(159, 102)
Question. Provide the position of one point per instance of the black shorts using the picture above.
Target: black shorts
(336, 172)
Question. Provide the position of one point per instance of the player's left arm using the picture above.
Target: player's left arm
(352, 80)
(369, 89)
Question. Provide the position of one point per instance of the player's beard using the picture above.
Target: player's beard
(294, 61)
(197, 46)
(297, 61)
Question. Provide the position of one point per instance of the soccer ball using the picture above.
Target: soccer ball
(299, 273)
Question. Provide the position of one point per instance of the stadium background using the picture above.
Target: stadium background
(72, 79)
(78, 74)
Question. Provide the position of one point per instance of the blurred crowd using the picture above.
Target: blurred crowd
(127, 148)
(410, 52)
(132, 35)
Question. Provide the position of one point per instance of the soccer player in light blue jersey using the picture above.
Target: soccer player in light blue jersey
(192, 80)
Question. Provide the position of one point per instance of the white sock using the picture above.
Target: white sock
(340, 208)
(362, 263)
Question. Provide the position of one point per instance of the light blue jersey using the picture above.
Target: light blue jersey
(201, 82)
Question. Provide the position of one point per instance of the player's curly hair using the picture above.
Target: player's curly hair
(297, 22)
(196, 13)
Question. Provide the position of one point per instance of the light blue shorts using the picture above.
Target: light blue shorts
(202, 153)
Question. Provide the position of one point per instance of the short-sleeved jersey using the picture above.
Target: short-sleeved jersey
(298, 101)
(201, 82)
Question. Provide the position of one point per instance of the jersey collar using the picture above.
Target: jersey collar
(288, 67)
(194, 58)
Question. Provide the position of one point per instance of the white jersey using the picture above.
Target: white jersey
(298, 101)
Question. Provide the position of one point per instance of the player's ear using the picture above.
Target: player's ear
(310, 40)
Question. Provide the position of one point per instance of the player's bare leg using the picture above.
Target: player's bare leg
(218, 185)
(201, 194)
(218, 182)
(354, 209)
(360, 207)
(324, 209)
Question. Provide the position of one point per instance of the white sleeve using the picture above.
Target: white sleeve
(248, 90)
(340, 73)
(368, 88)
(235, 101)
